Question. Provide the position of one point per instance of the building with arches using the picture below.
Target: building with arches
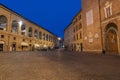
(101, 26)
(20, 34)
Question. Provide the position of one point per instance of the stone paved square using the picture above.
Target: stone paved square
(58, 65)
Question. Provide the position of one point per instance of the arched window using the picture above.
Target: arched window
(15, 26)
(30, 32)
(36, 34)
(23, 29)
(3, 23)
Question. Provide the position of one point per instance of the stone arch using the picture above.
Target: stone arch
(15, 26)
(3, 22)
(111, 37)
(111, 25)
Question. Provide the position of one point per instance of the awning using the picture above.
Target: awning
(2, 42)
(24, 44)
(36, 45)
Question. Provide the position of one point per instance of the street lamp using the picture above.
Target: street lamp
(20, 23)
(59, 42)
(59, 38)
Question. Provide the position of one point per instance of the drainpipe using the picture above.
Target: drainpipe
(103, 51)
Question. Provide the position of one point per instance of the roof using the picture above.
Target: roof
(77, 14)
(68, 26)
(72, 20)
(25, 18)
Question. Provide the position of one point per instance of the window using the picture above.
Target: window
(2, 36)
(3, 23)
(14, 38)
(23, 39)
(80, 25)
(23, 31)
(108, 9)
(79, 17)
(30, 32)
(108, 12)
(44, 36)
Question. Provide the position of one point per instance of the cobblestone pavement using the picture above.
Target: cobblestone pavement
(58, 65)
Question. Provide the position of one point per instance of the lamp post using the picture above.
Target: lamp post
(59, 42)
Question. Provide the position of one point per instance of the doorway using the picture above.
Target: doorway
(112, 38)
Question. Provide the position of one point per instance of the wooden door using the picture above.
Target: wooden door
(112, 43)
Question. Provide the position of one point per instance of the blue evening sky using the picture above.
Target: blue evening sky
(53, 15)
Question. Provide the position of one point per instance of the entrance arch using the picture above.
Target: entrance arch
(111, 38)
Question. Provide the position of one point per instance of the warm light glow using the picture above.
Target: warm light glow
(59, 38)
(45, 46)
(20, 23)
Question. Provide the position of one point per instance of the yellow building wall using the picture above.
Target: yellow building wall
(31, 41)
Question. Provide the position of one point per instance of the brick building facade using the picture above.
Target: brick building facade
(101, 23)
